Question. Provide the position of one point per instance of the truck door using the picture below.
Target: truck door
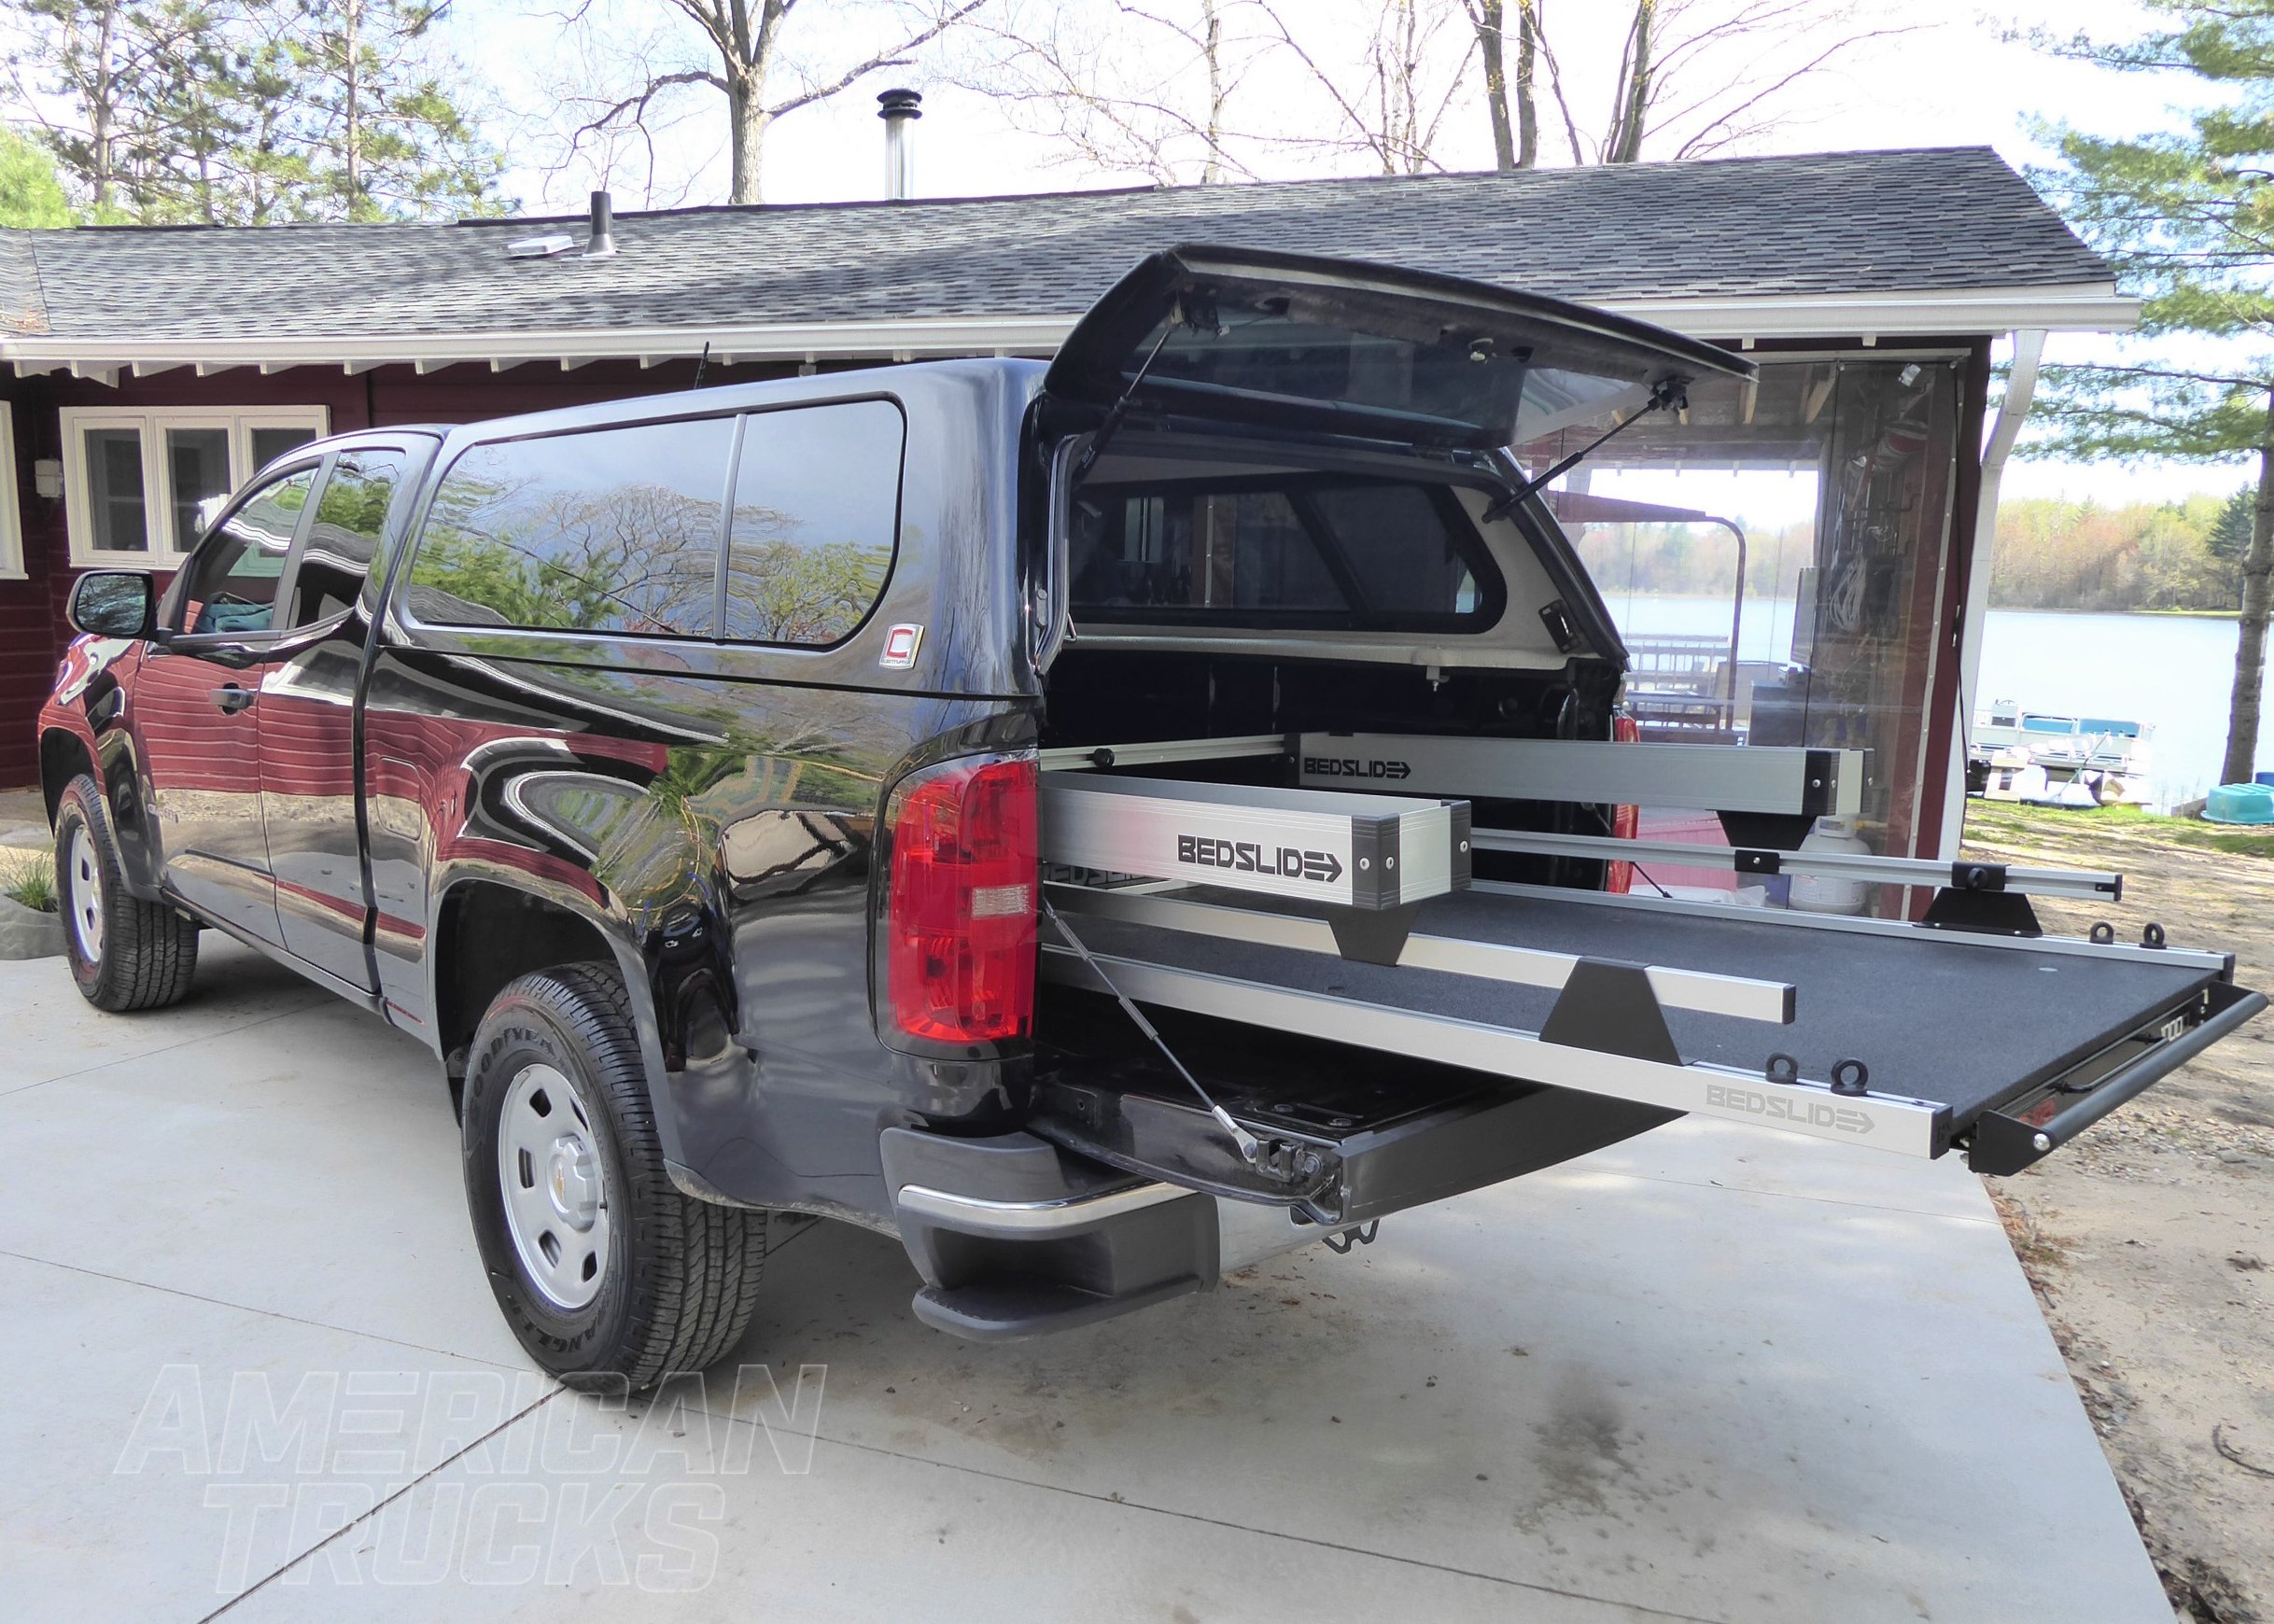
(195, 707)
(308, 716)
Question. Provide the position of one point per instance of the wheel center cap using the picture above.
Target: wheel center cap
(573, 1182)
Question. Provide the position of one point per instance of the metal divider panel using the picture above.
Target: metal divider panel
(1772, 778)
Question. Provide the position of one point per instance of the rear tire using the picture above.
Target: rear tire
(125, 954)
(608, 1276)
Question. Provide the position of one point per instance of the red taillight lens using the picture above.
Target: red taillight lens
(960, 917)
(1626, 821)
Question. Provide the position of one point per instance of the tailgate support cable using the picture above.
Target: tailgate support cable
(1251, 1148)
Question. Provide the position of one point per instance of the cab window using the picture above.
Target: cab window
(350, 517)
(232, 583)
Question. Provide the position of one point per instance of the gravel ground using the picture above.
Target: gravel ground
(2151, 1239)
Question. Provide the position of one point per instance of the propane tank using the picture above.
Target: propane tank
(1821, 894)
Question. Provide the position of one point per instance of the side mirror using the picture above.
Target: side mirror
(112, 603)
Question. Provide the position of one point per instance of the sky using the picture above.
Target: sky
(1955, 73)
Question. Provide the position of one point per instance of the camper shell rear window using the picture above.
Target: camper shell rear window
(1281, 550)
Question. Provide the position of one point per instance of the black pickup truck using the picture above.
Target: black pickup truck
(1101, 822)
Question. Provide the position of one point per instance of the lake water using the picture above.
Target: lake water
(2168, 672)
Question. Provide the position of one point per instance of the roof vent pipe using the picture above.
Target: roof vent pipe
(603, 243)
(900, 109)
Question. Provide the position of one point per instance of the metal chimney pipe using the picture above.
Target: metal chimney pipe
(603, 243)
(899, 109)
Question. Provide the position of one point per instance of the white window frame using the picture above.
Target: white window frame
(11, 519)
(166, 550)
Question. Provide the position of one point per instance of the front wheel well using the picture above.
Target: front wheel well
(488, 936)
(62, 757)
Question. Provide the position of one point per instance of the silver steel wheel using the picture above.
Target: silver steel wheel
(555, 1188)
(86, 872)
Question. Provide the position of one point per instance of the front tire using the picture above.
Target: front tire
(608, 1276)
(125, 954)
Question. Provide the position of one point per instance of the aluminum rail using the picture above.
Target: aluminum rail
(1743, 998)
(1895, 871)
(1072, 758)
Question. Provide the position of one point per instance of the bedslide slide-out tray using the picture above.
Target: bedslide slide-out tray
(1905, 1037)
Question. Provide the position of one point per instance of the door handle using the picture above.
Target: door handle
(232, 698)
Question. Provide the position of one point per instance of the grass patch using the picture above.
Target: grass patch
(1993, 820)
(35, 888)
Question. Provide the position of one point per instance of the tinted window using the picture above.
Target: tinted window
(816, 500)
(114, 490)
(233, 578)
(1305, 551)
(270, 444)
(614, 530)
(350, 513)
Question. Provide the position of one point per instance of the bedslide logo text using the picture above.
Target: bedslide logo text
(1779, 1108)
(1355, 767)
(1247, 857)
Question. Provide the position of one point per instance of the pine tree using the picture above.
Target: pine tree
(29, 195)
(249, 111)
(386, 136)
(2186, 218)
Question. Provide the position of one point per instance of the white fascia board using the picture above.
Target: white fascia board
(2094, 307)
(849, 340)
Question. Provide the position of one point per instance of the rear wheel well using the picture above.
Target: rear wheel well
(490, 935)
(62, 757)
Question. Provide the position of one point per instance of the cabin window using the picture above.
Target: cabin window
(140, 484)
(11, 524)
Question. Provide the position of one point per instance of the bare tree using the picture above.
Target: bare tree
(1123, 88)
(743, 57)
(1406, 80)
(1516, 145)
(1704, 76)
(1204, 89)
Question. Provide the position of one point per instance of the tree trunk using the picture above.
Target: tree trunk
(351, 23)
(1528, 110)
(749, 121)
(99, 111)
(1624, 143)
(1488, 20)
(2251, 642)
(1213, 171)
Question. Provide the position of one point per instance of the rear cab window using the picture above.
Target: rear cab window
(1287, 551)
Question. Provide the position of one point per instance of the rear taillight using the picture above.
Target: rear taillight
(959, 913)
(1626, 821)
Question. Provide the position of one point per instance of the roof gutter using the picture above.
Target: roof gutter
(2094, 307)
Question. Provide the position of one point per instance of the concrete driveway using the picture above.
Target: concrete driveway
(1715, 1374)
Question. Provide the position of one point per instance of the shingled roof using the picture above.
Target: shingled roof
(1936, 240)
